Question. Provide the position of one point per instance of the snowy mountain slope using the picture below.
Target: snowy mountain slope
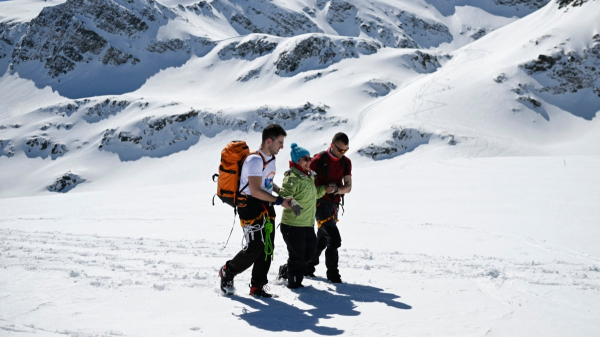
(494, 96)
(104, 39)
(534, 81)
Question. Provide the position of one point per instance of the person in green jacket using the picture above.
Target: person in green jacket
(298, 231)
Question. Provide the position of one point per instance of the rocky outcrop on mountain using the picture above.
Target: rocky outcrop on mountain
(321, 52)
(104, 109)
(528, 99)
(379, 88)
(403, 140)
(340, 11)
(265, 18)
(65, 183)
(423, 62)
(250, 75)
(403, 29)
(44, 146)
(568, 72)
(64, 109)
(6, 148)
(57, 126)
(573, 3)
(200, 8)
(248, 50)
(387, 34)
(78, 31)
(10, 33)
(169, 45)
(533, 4)
(425, 33)
(288, 117)
(481, 32)
(153, 136)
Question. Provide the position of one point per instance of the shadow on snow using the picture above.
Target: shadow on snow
(274, 315)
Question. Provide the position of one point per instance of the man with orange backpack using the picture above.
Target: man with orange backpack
(257, 214)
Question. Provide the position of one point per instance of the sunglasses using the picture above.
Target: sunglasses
(342, 151)
(307, 158)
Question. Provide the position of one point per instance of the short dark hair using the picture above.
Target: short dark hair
(273, 131)
(340, 137)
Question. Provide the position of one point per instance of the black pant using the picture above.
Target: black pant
(301, 243)
(254, 255)
(328, 239)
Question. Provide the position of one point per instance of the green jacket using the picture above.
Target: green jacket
(301, 187)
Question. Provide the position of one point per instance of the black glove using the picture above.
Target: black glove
(296, 208)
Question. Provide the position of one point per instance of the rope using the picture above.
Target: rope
(269, 248)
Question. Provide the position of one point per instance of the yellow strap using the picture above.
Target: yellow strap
(321, 222)
(250, 222)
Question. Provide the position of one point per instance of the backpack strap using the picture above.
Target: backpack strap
(322, 165)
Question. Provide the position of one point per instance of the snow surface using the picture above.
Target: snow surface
(475, 205)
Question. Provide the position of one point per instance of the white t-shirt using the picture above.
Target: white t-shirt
(253, 167)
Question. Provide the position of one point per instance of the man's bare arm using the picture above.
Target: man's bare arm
(347, 186)
(257, 192)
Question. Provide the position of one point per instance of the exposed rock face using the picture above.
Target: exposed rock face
(479, 34)
(265, 18)
(573, 3)
(6, 148)
(288, 117)
(65, 35)
(570, 71)
(250, 75)
(423, 62)
(43, 146)
(323, 51)
(105, 109)
(340, 11)
(169, 45)
(380, 88)
(153, 136)
(65, 183)
(248, 50)
(533, 4)
(423, 32)
(403, 140)
(501, 78)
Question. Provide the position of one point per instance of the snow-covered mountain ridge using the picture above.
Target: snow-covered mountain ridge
(146, 79)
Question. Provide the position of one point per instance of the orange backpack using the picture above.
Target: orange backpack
(228, 178)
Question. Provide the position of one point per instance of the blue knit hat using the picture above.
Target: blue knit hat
(298, 152)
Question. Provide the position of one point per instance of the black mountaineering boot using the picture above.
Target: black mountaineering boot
(226, 283)
(260, 292)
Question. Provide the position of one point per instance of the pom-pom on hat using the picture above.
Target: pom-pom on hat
(298, 152)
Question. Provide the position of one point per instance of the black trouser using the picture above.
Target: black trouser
(328, 239)
(301, 243)
(254, 254)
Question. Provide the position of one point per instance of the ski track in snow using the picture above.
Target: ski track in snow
(112, 262)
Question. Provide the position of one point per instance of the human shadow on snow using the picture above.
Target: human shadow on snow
(275, 315)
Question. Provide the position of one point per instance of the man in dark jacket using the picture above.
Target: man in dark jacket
(332, 168)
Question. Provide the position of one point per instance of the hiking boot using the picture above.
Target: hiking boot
(226, 283)
(335, 279)
(311, 275)
(260, 292)
(282, 275)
